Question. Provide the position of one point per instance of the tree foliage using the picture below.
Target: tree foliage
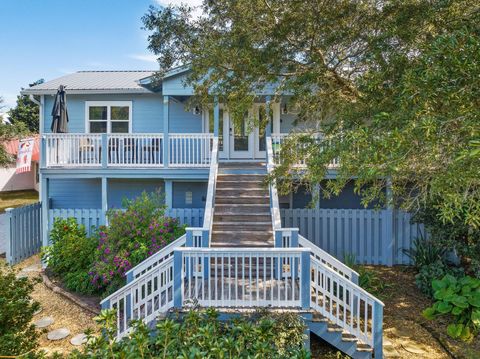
(393, 86)
(17, 333)
(8, 132)
(26, 111)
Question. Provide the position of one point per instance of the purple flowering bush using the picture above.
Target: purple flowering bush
(131, 236)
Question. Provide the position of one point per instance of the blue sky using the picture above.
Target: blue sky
(50, 38)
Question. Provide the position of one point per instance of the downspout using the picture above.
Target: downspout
(34, 100)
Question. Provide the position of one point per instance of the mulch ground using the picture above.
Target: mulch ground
(404, 326)
(65, 313)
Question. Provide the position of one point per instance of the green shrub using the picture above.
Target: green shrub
(17, 334)
(425, 252)
(71, 254)
(456, 235)
(368, 279)
(436, 270)
(132, 236)
(460, 300)
(200, 334)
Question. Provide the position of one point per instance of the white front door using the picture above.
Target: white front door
(241, 140)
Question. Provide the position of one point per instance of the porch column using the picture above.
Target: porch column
(104, 200)
(216, 116)
(166, 145)
(169, 194)
(268, 110)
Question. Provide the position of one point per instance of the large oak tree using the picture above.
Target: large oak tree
(393, 85)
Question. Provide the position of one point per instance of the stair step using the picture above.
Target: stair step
(242, 200)
(362, 347)
(241, 237)
(247, 192)
(242, 164)
(246, 217)
(242, 208)
(334, 328)
(240, 185)
(240, 177)
(347, 337)
(251, 226)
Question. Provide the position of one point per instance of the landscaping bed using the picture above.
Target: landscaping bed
(405, 329)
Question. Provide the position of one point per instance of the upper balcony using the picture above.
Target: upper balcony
(88, 150)
(141, 150)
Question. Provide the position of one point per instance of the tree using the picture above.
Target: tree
(393, 86)
(7, 132)
(26, 111)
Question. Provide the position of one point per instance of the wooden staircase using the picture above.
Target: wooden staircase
(242, 207)
(336, 336)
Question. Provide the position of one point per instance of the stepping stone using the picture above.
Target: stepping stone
(32, 268)
(78, 339)
(44, 322)
(58, 334)
(413, 348)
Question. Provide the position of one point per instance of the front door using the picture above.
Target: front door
(241, 140)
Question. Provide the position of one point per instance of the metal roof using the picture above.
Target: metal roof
(82, 82)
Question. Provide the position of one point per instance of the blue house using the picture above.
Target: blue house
(246, 246)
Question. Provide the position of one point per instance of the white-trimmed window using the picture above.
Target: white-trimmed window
(108, 116)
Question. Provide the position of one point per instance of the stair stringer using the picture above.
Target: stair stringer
(334, 338)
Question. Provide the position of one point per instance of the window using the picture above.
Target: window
(211, 126)
(188, 197)
(108, 117)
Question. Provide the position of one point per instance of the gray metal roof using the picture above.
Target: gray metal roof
(94, 82)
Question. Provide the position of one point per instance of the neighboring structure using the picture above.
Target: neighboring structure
(12, 181)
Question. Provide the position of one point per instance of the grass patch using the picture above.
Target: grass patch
(14, 199)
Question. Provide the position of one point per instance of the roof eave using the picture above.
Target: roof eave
(85, 92)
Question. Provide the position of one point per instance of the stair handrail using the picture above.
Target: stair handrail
(334, 287)
(157, 258)
(329, 260)
(274, 202)
(212, 182)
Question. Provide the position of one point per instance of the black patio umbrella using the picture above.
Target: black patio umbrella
(59, 112)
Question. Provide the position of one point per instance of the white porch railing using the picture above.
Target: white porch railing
(190, 150)
(242, 277)
(279, 138)
(73, 150)
(127, 150)
(135, 150)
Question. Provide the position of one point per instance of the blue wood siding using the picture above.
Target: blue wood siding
(181, 121)
(117, 189)
(174, 85)
(147, 110)
(199, 194)
(75, 193)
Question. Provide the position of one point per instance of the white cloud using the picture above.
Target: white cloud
(144, 57)
(9, 101)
